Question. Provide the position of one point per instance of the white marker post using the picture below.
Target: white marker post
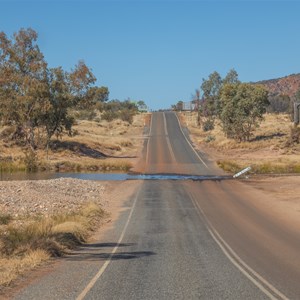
(241, 172)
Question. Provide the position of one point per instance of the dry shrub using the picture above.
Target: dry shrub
(11, 268)
(5, 218)
(229, 166)
(294, 137)
(126, 143)
(54, 234)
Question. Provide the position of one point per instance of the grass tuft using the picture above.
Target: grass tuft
(11, 268)
(5, 219)
(43, 238)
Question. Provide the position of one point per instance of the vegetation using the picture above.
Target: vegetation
(242, 107)
(23, 247)
(39, 104)
(238, 106)
(34, 96)
(273, 148)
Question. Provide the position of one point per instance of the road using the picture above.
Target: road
(182, 239)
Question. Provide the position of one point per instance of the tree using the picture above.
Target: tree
(211, 92)
(34, 96)
(243, 106)
(280, 104)
(23, 85)
(231, 77)
(65, 91)
(142, 105)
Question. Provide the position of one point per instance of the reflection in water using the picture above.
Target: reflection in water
(104, 176)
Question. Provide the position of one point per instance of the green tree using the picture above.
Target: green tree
(211, 93)
(243, 106)
(66, 91)
(23, 85)
(231, 77)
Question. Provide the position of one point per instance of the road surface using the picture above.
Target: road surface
(181, 239)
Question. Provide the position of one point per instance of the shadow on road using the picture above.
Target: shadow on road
(88, 256)
(105, 245)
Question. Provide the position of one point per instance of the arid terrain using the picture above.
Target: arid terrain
(26, 200)
(95, 145)
(267, 153)
(269, 150)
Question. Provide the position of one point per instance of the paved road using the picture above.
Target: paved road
(182, 239)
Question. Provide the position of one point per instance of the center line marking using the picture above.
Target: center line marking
(168, 139)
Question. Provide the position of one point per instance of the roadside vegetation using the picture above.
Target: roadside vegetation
(47, 114)
(241, 124)
(26, 242)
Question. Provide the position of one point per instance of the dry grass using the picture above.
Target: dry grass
(28, 242)
(103, 146)
(11, 268)
(267, 152)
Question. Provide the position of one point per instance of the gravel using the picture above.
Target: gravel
(48, 197)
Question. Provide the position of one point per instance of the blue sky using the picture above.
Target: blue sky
(159, 51)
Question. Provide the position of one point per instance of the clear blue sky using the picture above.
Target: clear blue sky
(159, 51)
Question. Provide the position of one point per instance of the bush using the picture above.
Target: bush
(5, 219)
(30, 160)
(210, 138)
(294, 137)
(86, 114)
(280, 104)
(126, 115)
(109, 115)
(208, 125)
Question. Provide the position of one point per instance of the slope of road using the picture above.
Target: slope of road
(169, 151)
(181, 239)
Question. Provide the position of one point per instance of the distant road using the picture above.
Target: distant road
(182, 239)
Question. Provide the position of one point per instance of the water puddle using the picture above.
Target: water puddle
(106, 176)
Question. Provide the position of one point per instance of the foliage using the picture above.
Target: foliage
(34, 96)
(116, 109)
(294, 137)
(30, 160)
(210, 138)
(23, 83)
(210, 107)
(178, 106)
(5, 218)
(243, 106)
(280, 104)
(211, 89)
(54, 234)
(208, 125)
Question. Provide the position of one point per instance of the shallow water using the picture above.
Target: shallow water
(103, 176)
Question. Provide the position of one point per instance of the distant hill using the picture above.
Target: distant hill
(287, 85)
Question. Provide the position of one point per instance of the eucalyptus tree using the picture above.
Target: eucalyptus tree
(23, 83)
(243, 106)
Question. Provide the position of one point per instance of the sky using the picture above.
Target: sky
(159, 51)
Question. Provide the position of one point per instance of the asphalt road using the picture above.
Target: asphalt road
(181, 239)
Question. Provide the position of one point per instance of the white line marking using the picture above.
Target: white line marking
(191, 144)
(236, 260)
(105, 265)
(148, 142)
(168, 139)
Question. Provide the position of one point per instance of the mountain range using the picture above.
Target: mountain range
(287, 85)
